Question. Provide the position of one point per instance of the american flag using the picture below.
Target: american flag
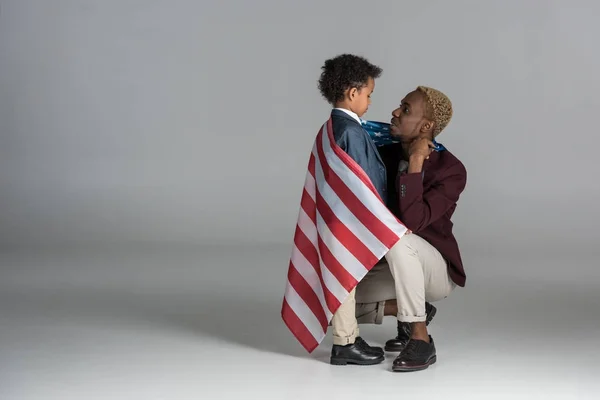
(343, 230)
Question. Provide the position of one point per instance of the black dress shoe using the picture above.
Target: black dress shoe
(416, 356)
(404, 331)
(354, 353)
(373, 349)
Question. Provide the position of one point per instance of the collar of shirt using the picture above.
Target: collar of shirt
(350, 113)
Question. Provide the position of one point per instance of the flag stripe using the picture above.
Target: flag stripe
(310, 184)
(310, 187)
(364, 204)
(311, 161)
(306, 247)
(357, 205)
(337, 270)
(314, 279)
(297, 304)
(296, 326)
(338, 185)
(307, 204)
(343, 255)
(325, 213)
(308, 295)
(348, 221)
(345, 235)
(336, 288)
(335, 292)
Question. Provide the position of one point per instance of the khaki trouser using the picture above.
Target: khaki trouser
(412, 272)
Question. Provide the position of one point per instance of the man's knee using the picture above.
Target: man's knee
(404, 253)
(407, 245)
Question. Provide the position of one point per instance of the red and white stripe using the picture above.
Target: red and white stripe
(343, 230)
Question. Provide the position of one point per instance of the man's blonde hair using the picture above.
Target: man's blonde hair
(439, 108)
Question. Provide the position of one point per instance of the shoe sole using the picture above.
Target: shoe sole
(346, 361)
(430, 316)
(415, 367)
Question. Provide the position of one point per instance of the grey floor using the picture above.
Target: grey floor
(203, 323)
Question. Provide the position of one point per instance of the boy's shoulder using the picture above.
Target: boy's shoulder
(343, 125)
(338, 113)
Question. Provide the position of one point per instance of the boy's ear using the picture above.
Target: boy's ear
(352, 93)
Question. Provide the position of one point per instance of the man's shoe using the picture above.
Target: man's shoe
(397, 344)
(373, 349)
(354, 353)
(416, 356)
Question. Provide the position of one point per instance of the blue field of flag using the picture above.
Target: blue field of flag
(380, 133)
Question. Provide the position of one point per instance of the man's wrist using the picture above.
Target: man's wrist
(415, 163)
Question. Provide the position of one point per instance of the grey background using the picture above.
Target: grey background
(191, 121)
(152, 155)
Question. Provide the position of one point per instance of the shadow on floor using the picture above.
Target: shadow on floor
(243, 320)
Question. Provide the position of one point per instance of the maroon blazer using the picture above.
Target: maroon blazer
(425, 202)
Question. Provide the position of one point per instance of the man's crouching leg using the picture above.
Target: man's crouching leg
(420, 273)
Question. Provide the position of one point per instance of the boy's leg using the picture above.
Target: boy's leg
(369, 297)
(343, 324)
(348, 347)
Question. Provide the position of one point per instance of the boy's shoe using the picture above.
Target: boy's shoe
(397, 344)
(373, 349)
(358, 353)
(416, 355)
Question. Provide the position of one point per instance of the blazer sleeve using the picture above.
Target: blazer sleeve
(419, 208)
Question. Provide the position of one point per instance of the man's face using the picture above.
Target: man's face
(409, 118)
(362, 98)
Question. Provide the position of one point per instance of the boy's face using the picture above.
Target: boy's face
(360, 99)
(409, 120)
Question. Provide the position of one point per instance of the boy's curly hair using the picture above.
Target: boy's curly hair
(343, 72)
(439, 108)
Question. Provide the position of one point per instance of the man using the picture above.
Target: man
(425, 265)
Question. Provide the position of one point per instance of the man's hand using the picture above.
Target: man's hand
(420, 147)
(418, 151)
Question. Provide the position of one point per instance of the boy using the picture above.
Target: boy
(347, 82)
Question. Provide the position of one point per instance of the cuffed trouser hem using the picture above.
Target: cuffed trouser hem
(344, 340)
(410, 318)
(343, 323)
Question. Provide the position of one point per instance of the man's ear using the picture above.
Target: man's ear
(427, 126)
